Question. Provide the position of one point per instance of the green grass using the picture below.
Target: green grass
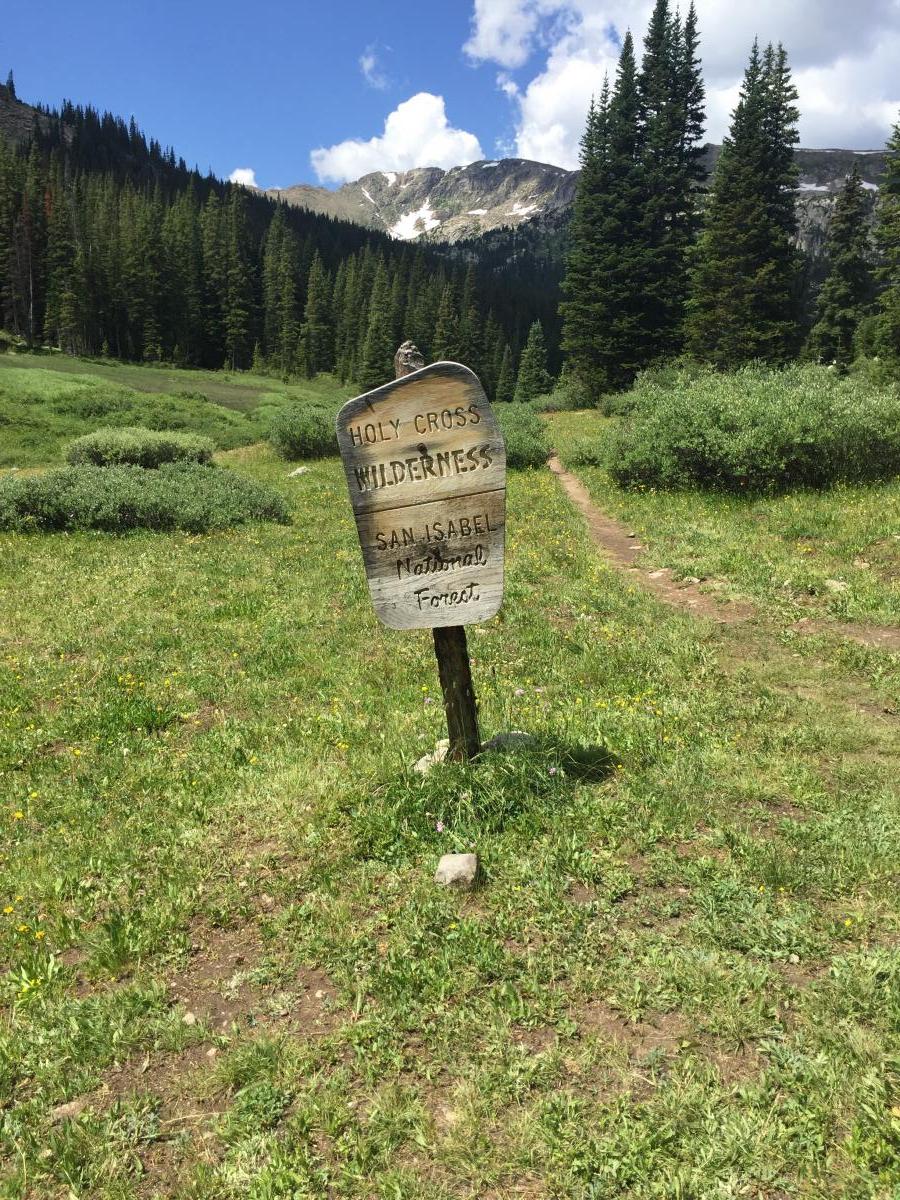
(679, 977)
(831, 554)
(45, 401)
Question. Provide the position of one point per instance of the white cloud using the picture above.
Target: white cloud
(844, 59)
(503, 31)
(245, 176)
(371, 69)
(416, 134)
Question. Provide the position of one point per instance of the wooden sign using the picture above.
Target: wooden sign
(426, 468)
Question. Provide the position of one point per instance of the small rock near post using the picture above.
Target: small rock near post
(457, 871)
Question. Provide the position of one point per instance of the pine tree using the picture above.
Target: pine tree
(888, 237)
(271, 284)
(376, 367)
(582, 308)
(238, 306)
(661, 121)
(849, 287)
(506, 378)
(446, 345)
(212, 235)
(288, 356)
(533, 378)
(743, 299)
(605, 324)
(492, 354)
(317, 320)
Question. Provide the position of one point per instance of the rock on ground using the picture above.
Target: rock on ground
(457, 871)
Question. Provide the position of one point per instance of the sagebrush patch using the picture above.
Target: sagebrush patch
(176, 496)
(138, 447)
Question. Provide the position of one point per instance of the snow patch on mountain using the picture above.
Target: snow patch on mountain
(413, 224)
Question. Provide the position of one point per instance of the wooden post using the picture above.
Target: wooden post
(450, 646)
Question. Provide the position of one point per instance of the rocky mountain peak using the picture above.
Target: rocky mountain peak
(428, 202)
(466, 202)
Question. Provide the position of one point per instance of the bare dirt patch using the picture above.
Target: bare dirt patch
(623, 551)
(661, 1032)
(879, 637)
(535, 1040)
(578, 893)
(218, 988)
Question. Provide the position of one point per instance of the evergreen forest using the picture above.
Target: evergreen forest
(109, 245)
(665, 263)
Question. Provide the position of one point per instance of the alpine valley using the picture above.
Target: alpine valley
(465, 203)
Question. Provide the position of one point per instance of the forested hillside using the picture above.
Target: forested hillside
(109, 244)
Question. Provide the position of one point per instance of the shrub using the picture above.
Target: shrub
(305, 431)
(175, 496)
(525, 435)
(570, 395)
(757, 430)
(138, 447)
(587, 452)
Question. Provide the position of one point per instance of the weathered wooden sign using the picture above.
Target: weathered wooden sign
(426, 468)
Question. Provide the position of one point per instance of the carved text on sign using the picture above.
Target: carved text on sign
(426, 470)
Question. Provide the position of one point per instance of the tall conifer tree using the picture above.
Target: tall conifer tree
(849, 287)
(743, 298)
(376, 367)
(317, 320)
(506, 378)
(582, 308)
(533, 378)
(604, 323)
(446, 346)
(888, 237)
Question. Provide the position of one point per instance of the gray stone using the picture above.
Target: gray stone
(69, 1111)
(297, 471)
(438, 754)
(512, 739)
(189, 1018)
(457, 871)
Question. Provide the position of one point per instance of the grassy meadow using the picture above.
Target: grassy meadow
(46, 401)
(220, 942)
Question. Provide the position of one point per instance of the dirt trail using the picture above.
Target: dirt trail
(622, 550)
(881, 637)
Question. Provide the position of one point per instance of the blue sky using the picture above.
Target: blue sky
(261, 85)
(298, 91)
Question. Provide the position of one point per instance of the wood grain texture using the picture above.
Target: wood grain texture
(426, 470)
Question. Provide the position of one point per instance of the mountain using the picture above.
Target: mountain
(433, 205)
(17, 119)
(446, 206)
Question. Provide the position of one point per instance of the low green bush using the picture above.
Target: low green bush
(138, 447)
(525, 435)
(756, 430)
(587, 452)
(303, 431)
(569, 395)
(175, 496)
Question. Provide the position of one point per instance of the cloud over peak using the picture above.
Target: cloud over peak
(416, 134)
(245, 176)
(844, 59)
